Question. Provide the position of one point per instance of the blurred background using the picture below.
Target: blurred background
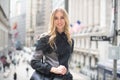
(91, 25)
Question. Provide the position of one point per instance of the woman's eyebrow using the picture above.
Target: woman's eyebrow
(58, 17)
(61, 17)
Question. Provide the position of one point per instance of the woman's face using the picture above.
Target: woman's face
(59, 21)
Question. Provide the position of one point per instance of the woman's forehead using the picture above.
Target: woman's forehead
(59, 13)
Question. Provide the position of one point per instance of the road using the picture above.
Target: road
(22, 74)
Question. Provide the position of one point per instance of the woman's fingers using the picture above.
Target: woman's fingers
(62, 69)
(59, 70)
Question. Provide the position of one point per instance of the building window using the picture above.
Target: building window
(75, 42)
(96, 11)
(90, 13)
(82, 43)
(85, 43)
(79, 42)
(38, 6)
(96, 44)
(90, 44)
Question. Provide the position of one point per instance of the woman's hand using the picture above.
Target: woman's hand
(59, 70)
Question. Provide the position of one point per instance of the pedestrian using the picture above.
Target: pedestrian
(0, 65)
(56, 47)
(4, 61)
(10, 55)
(14, 61)
(27, 70)
(15, 76)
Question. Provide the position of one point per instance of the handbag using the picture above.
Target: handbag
(37, 76)
(68, 76)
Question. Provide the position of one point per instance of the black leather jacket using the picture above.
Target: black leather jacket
(52, 57)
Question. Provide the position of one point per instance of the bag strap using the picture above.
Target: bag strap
(55, 47)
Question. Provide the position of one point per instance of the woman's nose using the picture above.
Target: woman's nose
(59, 20)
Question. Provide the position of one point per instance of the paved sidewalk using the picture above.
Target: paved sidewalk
(20, 70)
(22, 75)
(78, 76)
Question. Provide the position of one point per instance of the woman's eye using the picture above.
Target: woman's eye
(62, 17)
(55, 18)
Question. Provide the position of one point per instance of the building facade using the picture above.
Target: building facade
(60, 4)
(19, 33)
(18, 21)
(37, 20)
(43, 12)
(94, 17)
(5, 34)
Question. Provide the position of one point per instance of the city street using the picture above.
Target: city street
(22, 74)
(90, 29)
(19, 69)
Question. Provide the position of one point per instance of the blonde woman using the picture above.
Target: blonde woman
(56, 47)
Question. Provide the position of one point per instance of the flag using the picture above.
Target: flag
(81, 26)
(71, 28)
(15, 26)
(76, 26)
(78, 22)
(15, 34)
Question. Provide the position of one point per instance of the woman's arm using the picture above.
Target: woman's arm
(36, 61)
(72, 46)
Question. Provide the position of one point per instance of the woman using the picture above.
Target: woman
(57, 47)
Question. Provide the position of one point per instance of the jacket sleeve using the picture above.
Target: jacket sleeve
(72, 46)
(36, 62)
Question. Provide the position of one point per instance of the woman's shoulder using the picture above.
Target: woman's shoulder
(72, 40)
(42, 41)
(43, 37)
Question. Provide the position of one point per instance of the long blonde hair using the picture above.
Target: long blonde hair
(53, 30)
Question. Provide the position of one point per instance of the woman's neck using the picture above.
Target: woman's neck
(60, 31)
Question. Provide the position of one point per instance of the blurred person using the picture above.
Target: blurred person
(10, 55)
(5, 63)
(14, 62)
(27, 70)
(3, 60)
(15, 76)
(0, 65)
(56, 47)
